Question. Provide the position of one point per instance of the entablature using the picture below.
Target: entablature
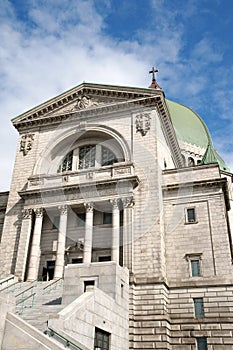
(218, 183)
(77, 187)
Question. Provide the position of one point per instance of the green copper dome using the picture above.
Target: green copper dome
(190, 128)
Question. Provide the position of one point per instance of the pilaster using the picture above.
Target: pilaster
(61, 243)
(35, 248)
(24, 240)
(88, 233)
(128, 205)
(115, 230)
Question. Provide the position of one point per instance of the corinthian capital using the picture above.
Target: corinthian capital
(27, 213)
(89, 207)
(63, 209)
(115, 203)
(39, 212)
(128, 202)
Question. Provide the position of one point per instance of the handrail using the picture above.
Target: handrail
(24, 291)
(48, 288)
(10, 286)
(51, 332)
(22, 301)
(26, 298)
(7, 279)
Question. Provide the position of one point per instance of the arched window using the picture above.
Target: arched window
(107, 156)
(66, 164)
(88, 156)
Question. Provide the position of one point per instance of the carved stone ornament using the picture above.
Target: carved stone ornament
(115, 203)
(88, 207)
(142, 122)
(27, 213)
(63, 209)
(39, 212)
(26, 143)
(84, 102)
(128, 202)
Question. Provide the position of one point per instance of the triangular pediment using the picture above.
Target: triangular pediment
(81, 98)
(88, 99)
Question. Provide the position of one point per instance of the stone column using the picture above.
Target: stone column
(35, 248)
(61, 243)
(115, 231)
(24, 240)
(88, 233)
(128, 204)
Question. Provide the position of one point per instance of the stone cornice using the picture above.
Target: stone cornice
(76, 187)
(119, 94)
(205, 182)
(219, 182)
(169, 133)
(28, 122)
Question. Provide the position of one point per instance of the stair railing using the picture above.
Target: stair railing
(12, 287)
(24, 298)
(6, 280)
(52, 286)
(24, 291)
(21, 302)
(66, 342)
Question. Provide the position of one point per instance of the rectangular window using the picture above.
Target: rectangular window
(81, 217)
(88, 283)
(199, 307)
(190, 215)
(202, 343)
(104, 258)
(101, 339)
(77, 260)
(107, 218)
(87, 157)
(195, 267)
(56, 221)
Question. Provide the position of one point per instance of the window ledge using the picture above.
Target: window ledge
(191, 222)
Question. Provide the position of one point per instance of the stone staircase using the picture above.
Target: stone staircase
(36, 301)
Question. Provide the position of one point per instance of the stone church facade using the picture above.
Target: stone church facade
(121, 194)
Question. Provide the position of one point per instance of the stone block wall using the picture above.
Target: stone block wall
(164, 318)
(216, 325)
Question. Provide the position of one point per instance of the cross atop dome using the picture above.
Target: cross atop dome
(154, 84)
(153, 71)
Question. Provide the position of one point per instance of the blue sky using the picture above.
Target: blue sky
(49, 46)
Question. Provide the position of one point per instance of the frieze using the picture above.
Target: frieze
(78, 193)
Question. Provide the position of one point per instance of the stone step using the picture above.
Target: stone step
(47, 303)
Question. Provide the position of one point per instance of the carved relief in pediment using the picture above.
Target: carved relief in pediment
(82, 102)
